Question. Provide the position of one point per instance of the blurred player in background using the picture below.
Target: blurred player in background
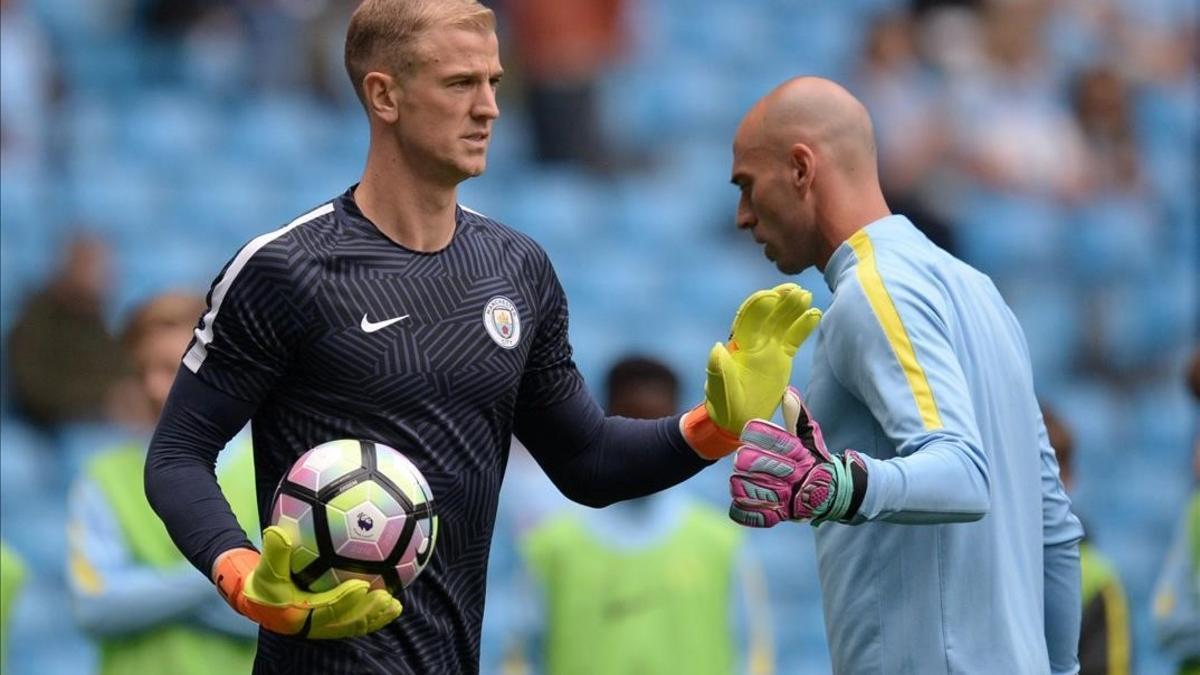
(391, 313)
(1105, 637)
(132, 589)
(12, 578)
(61, 336)
(1177, 593)
(674, 572)
(946, 541)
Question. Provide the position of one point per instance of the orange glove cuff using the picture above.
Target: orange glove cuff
(230, 572)
(706, 438)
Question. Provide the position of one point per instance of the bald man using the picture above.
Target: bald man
(946, 543)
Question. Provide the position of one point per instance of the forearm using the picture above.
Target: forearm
(136, 599)
(180, 478)
(937, 484)
(1062, 605)
(214, 613)
(1176, 615)
(597, 460)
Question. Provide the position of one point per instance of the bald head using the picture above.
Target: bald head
(820, 114)
(804, 161)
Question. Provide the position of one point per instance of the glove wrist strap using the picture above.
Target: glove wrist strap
(849, 488)
(706, 438)
(858, 477)
(230, 572)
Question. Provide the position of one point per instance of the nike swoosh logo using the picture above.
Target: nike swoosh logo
(372, 326)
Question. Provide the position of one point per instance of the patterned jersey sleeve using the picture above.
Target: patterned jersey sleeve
(550, 373)
(247, 337)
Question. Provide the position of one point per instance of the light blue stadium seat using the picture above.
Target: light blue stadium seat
(30, 224)
(106, 65)
(1163, 418)
(166, 263)
(1051, 317)
(79, 442)
(119, 198)
(598, 341)
(488, 195)
(93, 126)
(1142, 321)
(169, 128)
(291, 132)
(28, 464)
(317, 183)
(36, 528)
(1095, 416)
(555, 207)
(510, 149)
(42, 637)
(80, 19)
(231, 201)
(823, 40)
(1112, 238)
(1007, 235)
(632, 110)
(672, 209)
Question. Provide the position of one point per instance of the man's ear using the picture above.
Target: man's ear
(382, 96)
(802, 165)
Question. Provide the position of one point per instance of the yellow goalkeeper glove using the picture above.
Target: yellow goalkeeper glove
(260, 587)
(747, 377)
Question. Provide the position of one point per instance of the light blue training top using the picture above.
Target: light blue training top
(964, 555)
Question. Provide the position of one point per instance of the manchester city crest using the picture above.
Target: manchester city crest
(502, 322)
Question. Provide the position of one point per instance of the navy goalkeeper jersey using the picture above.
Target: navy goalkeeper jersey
(335, 331)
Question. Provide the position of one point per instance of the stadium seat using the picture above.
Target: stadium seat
(1112, 238)
(1143, 320)
(119, 198)
(169, 129)
(1164, 417)
(1052, 318)
(78, 442)
(28, 460)
(42, 638)
(1005, 235)
(555, 206)
(284, 130)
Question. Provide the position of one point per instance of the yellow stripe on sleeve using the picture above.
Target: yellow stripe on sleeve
(85, 575)
(893, 328)
(1117, 618)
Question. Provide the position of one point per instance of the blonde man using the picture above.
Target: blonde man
(391, 313)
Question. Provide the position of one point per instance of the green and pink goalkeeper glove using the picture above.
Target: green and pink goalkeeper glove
(780, 476)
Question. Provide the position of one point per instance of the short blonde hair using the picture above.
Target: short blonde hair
(162, 312)
(384, 34)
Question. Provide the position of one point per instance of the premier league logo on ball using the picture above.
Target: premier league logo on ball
(365, 522)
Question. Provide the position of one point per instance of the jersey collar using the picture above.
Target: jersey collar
(843, 259)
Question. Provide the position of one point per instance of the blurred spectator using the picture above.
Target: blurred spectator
(26, 84)
(653, 585)
(12, 576)
(910, 124)
(133, 591)
(1177, 594)
(563, 46)
(1101, 104)
(62, 359)
(173, 18)
(1014, 134)
(1105, 637)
